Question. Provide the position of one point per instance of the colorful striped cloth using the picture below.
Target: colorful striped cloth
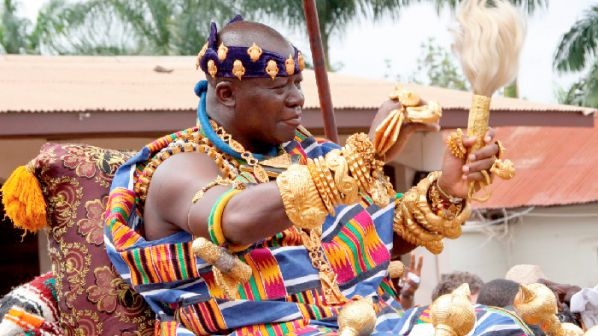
(489, 321)
(284, 294)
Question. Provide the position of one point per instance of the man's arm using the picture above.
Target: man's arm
(251, 215)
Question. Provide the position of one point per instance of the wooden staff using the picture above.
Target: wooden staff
(315, 42)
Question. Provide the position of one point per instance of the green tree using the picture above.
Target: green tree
(436, 66)
(15, 37)
(335, 15)
(156, 27)
(576, 52)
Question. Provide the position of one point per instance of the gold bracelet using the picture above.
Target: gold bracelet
(320, 186)
(301, 200)
(326, 176)
(347, 185)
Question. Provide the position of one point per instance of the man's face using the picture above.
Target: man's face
(268, 111)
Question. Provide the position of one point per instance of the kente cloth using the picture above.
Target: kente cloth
(284, 293)
(489, 321)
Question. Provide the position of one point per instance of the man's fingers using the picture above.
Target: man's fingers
(489, 135)
(487, 151)
(478, 166)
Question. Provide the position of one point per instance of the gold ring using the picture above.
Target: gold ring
(501, 149)
(455, 144)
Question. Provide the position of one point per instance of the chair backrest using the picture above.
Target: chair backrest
(92, 298)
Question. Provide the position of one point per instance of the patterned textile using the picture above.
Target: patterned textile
(284, 294)
(31, 308)
(489, 321)
(92, 299)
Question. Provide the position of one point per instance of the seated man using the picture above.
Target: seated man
(286, 229)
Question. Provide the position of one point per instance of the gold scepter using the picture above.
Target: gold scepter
(488, 43)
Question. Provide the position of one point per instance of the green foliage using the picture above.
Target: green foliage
(436, 67)
(579, 43)
(576, 52)
(530, 6)
(14, 31)
(114, 27)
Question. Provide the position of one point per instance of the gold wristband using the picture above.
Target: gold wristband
(302, 202)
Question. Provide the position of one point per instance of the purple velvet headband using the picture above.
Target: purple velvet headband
(245, 62)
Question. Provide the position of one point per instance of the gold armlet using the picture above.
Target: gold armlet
(302, 202)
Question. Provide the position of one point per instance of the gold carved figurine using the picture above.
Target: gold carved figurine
(453, 314)
(254, 52)
(238, 69)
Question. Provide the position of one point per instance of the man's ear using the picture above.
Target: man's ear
(225, 93)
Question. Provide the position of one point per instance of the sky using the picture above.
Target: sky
(363, 48)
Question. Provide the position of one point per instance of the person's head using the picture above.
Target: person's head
(498, 293)
(449, 282)
(525, 274)
(261, 104)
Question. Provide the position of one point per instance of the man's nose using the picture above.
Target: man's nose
(295, 97)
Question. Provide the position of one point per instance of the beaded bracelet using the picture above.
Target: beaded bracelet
(215, 219)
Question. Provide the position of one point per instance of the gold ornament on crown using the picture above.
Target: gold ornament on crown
(212, 68)
(453, 314)
(499, 28)
(200, 55)
(272, 69)
(254, 52)
(289, 65)
(238, 69)
(222, 52)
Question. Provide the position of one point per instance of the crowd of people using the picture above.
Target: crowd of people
(494, 300)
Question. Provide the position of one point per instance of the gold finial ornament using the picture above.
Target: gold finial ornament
(238, 69)
(212, 68)
(289, 65)
(357, 318)
(272, 69)
(254, 52)
(222, 52)
(406, 97)
(537, 304)
(396, 269)
(301, 61)
(453, 314)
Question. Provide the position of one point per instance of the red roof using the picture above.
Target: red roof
(555, 166)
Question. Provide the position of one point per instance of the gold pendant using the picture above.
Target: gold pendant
(332, 293)
(260, 174)
(280, 161)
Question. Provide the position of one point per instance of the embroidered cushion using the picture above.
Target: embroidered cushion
(92, 299)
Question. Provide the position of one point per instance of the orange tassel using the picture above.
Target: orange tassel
(23, 199)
